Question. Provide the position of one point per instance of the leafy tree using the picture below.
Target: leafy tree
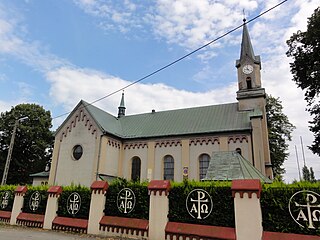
(33, 143)
(305, 173)
(308, 174)
(304, 47)
(279, 131)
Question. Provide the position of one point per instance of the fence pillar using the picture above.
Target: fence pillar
(159, 208)
(52, 206)
(97, 205)
(248, 217)
(19, 193)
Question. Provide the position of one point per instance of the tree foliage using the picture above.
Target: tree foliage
(308, 174)
(33, 143)
(279, 131)
(304, 47)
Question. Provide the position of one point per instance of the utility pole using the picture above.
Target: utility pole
(6, 168)
(298, 163)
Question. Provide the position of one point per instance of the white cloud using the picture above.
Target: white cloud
(91, 85)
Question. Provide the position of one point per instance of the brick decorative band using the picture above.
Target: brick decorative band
(70, 224)
(176, 230)
(125, 225)
(5, 216)
(30, 220)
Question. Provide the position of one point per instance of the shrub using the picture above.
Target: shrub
(275, 207)
(85, 195)
(223, 207)
(141, 209)
(43, 199)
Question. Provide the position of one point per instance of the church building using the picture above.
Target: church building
(92, 144)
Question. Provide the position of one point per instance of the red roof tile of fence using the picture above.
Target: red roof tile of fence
(99, 186)
(132, 223)
(31, 217)
(200, 231)
(71, 222)
(246, 186)
(55, 190)
(159, 185)
(21, 189)
(5, 214)
(287, 236)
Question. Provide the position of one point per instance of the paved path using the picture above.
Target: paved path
(8, 232)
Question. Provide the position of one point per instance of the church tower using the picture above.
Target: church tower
(249, 78)
(252, 97)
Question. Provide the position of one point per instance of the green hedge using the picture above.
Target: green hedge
(275, 207)
(10, 189)
(43, 203)
(141, 209)
(85, 194)
(223, 207)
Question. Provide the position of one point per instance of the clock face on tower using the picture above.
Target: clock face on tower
(247, 69)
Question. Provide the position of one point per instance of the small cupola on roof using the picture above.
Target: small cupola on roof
(121, 108)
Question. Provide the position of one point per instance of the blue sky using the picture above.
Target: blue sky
(55, 53)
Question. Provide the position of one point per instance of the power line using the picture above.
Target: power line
(179, 59)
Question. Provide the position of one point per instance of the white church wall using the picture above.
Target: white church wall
(198, 147)
(74, 171)
(131, 151)
(163, 148)
(243, 143)
(110, 157)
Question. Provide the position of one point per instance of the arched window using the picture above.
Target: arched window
(168, 168)
(249, 83)
(204, 160)
(135, 169)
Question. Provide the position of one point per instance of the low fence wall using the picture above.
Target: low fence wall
(157, 210)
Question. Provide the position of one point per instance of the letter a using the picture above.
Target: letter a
(302, 215)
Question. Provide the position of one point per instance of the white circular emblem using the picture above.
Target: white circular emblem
(73, 203)
(34, 201)
(5, 199)
(126, 200)
(199, 204)
(304, 208)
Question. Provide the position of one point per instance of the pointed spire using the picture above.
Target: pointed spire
(246, 46)
(121, 108)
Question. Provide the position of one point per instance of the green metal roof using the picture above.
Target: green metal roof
(40, 174)
(197, 120)
(230, 166)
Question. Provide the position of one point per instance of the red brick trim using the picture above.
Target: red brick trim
(287, 236)
(20, 190)
(248, 186)
(99, 186)
(159, 186)
(5, 216)
(30, 220)
(70, 224)
(205, 232)
(124, 225)
(54, 191)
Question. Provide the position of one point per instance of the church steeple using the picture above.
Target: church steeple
(121, 108)
(247, 52)
(249, 78)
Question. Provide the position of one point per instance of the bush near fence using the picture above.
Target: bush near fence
(4, 189)
(141, 209)
(223, 207)
(43, 203)
(85, 194)
(275, 207)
